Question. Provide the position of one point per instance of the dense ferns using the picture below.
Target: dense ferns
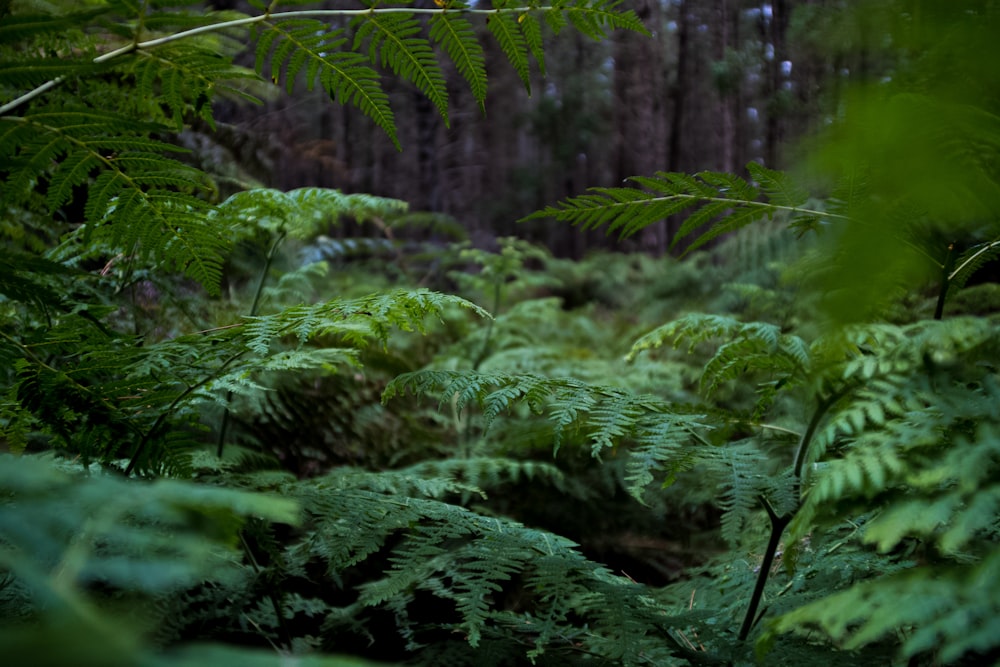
(214, 464)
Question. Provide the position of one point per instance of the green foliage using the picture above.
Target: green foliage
(723, 202)
(193, 480)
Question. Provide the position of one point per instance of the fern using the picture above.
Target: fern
(458, 38)
(971, 261)
(606, 415)
(289, 46)
(723, 202)
(512, 42)
(140, 202)
(393, 41)
(754, 346)
(952, 614)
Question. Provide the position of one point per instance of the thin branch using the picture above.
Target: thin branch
(779, 523)
(773, 427)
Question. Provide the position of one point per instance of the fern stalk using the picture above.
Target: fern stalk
(985, 249)
(268, 261)
(779, 523)
(148, 436)
(946, 274)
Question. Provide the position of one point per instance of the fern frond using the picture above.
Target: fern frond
(394, 40)
(121, 533)
(23, 26)
(185, 78)
(507, 32)
(291, 45)
(970, 261)
(604, 416)
(663, 447)
(140, 201)
(531, 28)
(950, 613)
(458, 37)
(358, 321)
(779, 187)
(22, 74)
(595, 18)
(751, 346)
(301, 213)
(722, 201)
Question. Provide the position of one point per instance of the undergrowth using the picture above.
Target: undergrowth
(234, 436)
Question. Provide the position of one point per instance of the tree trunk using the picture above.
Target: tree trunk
(639, 104)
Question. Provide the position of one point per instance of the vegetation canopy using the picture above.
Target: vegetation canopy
(242, 425)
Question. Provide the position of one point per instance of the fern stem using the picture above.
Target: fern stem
(777, 429)
(220, 443)
(31, 94)
(481, 357)
(779, 523)
(949, 261)
(972, 258)
(821, 409)
(144, 442)
(286, 635)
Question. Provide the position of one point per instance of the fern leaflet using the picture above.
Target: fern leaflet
(393, 40)
(291, 45)
(722, 201)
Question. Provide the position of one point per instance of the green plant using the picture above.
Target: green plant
(851, 456)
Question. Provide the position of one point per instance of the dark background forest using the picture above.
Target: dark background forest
(718, 84)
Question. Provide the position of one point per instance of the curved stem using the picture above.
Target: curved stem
(779, 523)
(148, 436)
(958, 269)
(220, 443)
(946, 276)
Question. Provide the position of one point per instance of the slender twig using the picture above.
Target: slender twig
(488, 335)
(286, 635)
(778, 525)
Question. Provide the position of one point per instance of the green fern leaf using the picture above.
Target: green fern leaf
(532, 30)
(28, 73)
(458, 37)
(594, 19)
(950, 613)
(512, 42)
(183, 77)
(778, 186)
(723, 202)
(393, 40)
(292, 45)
